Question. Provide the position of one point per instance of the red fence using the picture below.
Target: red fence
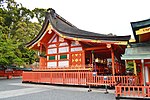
(113, 80)
(75, 78)
(132, 91)
(129, 83)
(10, 74)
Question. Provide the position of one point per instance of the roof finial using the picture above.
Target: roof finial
(50, 10)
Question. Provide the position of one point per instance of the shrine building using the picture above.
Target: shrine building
(69, 55)
(138, 52)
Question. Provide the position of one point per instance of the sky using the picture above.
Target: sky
(100, 16)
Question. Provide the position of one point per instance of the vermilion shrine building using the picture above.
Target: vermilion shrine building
(77, 57)
(67, 48)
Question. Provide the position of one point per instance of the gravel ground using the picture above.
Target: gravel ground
(13, 89)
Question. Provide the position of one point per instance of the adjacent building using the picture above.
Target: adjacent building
(138, 52)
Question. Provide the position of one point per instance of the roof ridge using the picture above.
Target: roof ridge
(58, 16)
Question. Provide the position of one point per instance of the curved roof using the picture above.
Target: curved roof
(67, 29)
(141, 25)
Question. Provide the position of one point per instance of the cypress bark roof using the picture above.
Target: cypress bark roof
(67, 29)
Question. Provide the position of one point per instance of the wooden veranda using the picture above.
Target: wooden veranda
(84, 78)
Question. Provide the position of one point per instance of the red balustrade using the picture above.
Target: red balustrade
(113, 80)
(132, 91)
(76, 78)
(10, 74)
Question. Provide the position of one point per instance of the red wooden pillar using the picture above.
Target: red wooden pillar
(113, 61)
(40, 48)
(93, 66)
(83, 59)
(41, 59)
(70, 54)
(117, 67)
(141, 74)
(149, 74)
(43, 62)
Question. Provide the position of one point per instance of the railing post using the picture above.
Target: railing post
(51, 77)
(106, 88)
(148, 91)
(78, 74)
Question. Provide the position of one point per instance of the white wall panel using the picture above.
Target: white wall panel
(63, 49)
(62, 64)
(52, 51)
(51, 64)
(76, 49)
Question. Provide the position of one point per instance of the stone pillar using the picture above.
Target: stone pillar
(144, 75)
(143, 70)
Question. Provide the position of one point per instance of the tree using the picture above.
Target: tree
(39, 14)
(9, 52)
(17, 29)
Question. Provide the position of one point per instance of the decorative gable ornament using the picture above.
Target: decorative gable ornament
(108, 46)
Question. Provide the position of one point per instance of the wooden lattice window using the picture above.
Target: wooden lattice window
(51, 57)
(64, 56)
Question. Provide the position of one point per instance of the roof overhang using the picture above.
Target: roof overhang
(135, 57)
(136, 53)
(54, 22)
(141, 29)
(90, 40)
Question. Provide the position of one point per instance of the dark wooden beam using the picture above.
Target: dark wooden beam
(102, 51)
(85, 44)
(95, 48)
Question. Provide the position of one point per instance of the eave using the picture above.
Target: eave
(141, 29)
(54, 22)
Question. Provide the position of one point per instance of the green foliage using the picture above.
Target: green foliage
(17, 29)
(39, 14)
(130, 66)
(9, 52)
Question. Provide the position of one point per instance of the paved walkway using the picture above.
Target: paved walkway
(13, 89)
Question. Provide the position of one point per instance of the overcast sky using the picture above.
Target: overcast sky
(101, 16)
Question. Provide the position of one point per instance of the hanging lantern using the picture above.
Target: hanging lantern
(97, 60)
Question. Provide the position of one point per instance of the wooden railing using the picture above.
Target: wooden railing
(75, 78)
(113, 80)
(127, 80)
(132, 91)
(10, 74)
